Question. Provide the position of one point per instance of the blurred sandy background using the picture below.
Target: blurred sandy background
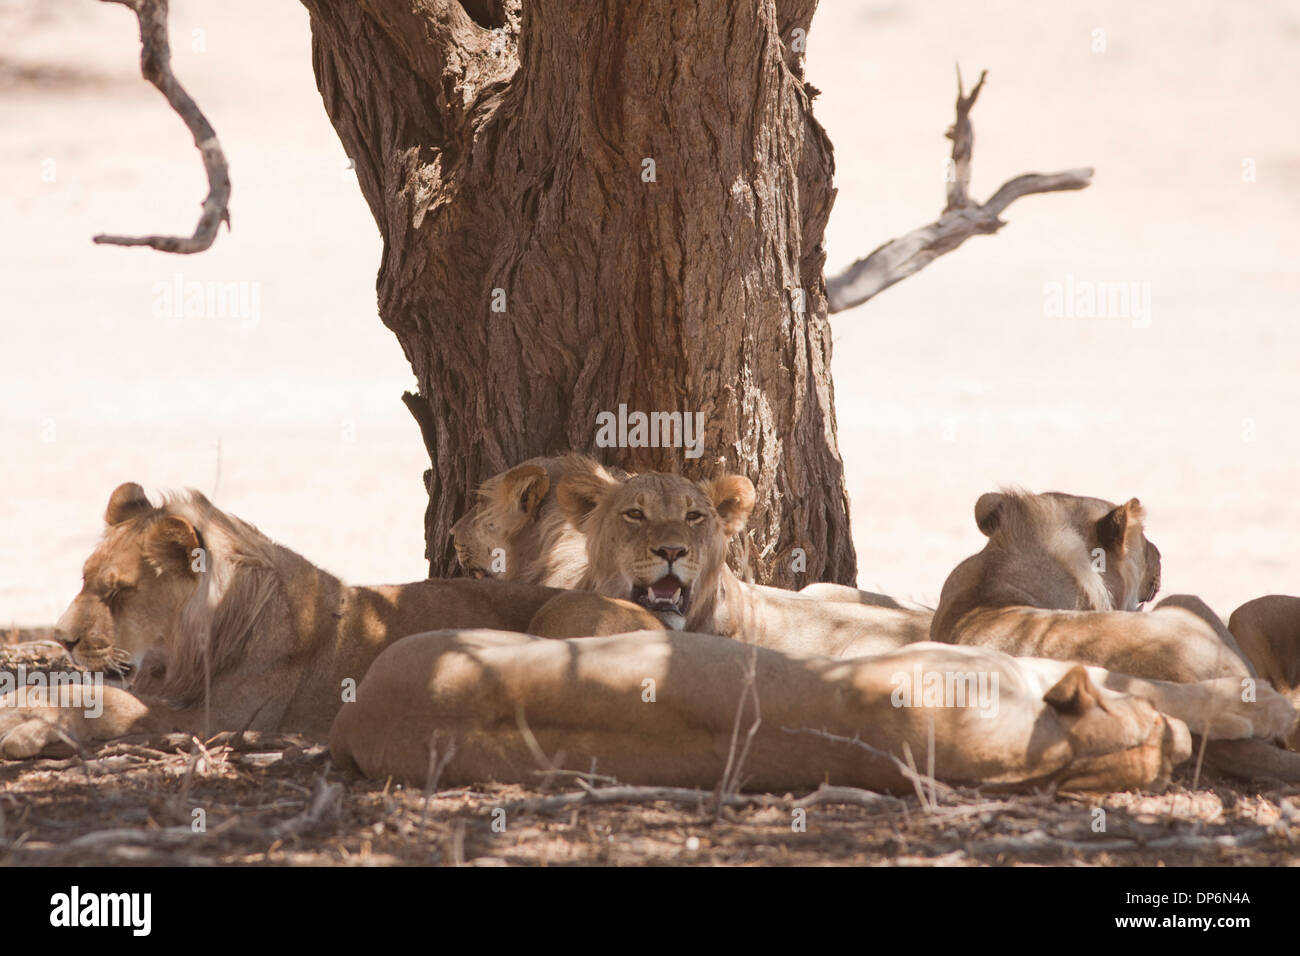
(947, 385)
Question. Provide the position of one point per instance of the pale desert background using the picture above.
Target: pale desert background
(950, 384)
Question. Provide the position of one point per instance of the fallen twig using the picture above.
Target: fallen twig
(632, 794)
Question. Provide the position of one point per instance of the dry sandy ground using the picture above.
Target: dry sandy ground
(274, 800)
(950, 384)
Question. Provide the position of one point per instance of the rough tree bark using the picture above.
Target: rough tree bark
(504, 149)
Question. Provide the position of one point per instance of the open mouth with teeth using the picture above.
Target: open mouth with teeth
(668, 595)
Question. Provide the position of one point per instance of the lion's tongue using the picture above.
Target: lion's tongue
(667, 588)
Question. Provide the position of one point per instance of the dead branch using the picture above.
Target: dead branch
(961, 219)
(731, 780)
(170, 836)
(927, 803)
(549, 765)
(630, 794)
(907, 769)
(853, 796)
(583, 775)
(326, 805)
(155, 66)
(1040, 840)
(437, 763)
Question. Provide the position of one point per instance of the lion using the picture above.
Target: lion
(1056, 579)
(845, 594)
(658, 541)
(1060, 577)
(667, 708)
(515, 529)
(221, 627)
(1268, 632)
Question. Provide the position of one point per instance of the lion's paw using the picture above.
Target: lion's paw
(27, 732)
(1231, 715)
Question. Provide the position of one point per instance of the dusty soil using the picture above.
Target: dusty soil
(272, 799)
(277, 800)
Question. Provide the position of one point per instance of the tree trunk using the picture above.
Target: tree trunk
(537, 274)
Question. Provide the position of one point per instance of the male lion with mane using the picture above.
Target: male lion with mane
(516, 530)
(658, 542)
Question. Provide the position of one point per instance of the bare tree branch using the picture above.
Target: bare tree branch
(155, 66)
(961, 219)
(962, 135)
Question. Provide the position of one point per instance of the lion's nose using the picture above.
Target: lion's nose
(67, 640)
(670, 552)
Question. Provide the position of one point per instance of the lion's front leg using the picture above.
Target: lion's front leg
(1227, 708)
(34, 719)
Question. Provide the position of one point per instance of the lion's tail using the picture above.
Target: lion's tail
(1253, 760)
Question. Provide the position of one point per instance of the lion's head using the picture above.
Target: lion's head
(133, 584)
(516, 529)
(1055, 551)
(658, 540)
(505, 505)
(164, 583)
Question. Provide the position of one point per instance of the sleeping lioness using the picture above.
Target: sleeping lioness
(660, 707)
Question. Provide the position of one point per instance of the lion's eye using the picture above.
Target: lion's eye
(634, 514)
(113, 596)
(694, 517)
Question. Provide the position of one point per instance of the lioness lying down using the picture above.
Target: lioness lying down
(517, 531)
(1060, 577)
(167, 582)
(661, 707)
(1268, 632)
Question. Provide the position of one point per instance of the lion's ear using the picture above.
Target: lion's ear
(733, 500)
(1112, 530)
(580, 493)
(1073, 694)
(170, 543)
(522, 489)
(987, 511)
(126, 501)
